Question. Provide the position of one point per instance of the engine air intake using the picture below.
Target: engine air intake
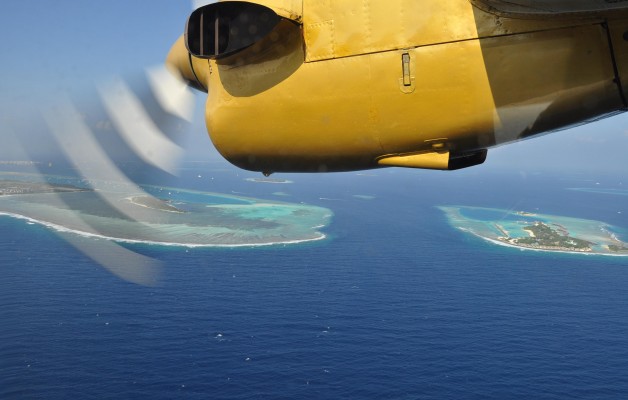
(221, 29)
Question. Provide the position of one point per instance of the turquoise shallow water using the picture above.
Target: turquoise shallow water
(196, 197)
(492, 223)
(207, 219)
(397, 304)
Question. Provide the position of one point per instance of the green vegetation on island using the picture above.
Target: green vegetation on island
(542, 236)
(618, 248)
(537, 231)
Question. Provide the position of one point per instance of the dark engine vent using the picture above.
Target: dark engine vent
(221, 29)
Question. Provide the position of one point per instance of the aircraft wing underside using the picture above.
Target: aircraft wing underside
(514, 8)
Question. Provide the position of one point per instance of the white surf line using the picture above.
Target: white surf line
(499, 242)
(78, 143)
(64, 229)
(124, 263)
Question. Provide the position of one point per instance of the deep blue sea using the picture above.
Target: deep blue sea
(395, 304)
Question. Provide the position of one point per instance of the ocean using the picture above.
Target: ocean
(395, 303)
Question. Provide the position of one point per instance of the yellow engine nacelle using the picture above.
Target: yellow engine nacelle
(334, 86)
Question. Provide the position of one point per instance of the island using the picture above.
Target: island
(154, 203)
(535, 231)
(268, 180)
(543, 236)
(157, 215)
(13, 187)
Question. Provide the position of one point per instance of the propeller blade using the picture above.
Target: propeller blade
(126, 133)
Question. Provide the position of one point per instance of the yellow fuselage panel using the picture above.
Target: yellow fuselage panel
(335, 28)
(361, 81)
(291, 9)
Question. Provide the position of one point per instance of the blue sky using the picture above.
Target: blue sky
(50, 47)
(69, 41)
